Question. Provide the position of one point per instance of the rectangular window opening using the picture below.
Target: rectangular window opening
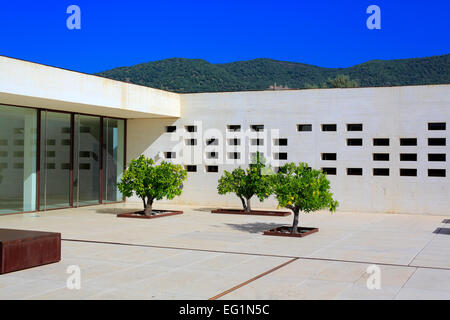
(381, 157)
(437, 126)
(329, 171)
(257, 127)
(171, 129)
(191, 168)
(280, 142)
(212, 169)
(436, 172)
(408, 172)
(329, 127)
(381, 171)
(191, 128)
(329, 156)
(354, 142)
(304, 127)
(437, 157)
(381, 142)
(280, 156)
(436, 141)
(408, 141)
(354, 171)
(408, 156)
(234, 128)
(354, 127)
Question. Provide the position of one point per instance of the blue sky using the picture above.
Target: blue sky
(123, 33)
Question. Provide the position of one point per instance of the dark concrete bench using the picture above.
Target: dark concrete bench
(22, 249)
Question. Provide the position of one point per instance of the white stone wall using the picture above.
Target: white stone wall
(394, 113)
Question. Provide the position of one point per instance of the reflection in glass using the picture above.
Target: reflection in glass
(113, 156)
(17, 159)
(87, 160)
(55, 160)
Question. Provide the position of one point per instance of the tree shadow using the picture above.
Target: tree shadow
(204, 209)
(445, 231)
(116, 210)
(255, 227)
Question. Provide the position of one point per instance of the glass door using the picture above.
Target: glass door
(87, 160)
(18, 148)
(113, 158)
(55, 160)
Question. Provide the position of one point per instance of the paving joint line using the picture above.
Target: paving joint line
(252, 279)
(256, 254)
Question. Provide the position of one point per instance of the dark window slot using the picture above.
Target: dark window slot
(436, 157)
(436, 141)
(408, 157)
(408, 172)
(408, 141)
(354, 142)
(381, 157)
(304, 127)
(381, 142)
(329, 127)
(354, 171)
(329, 171)
(329, 156)
(354, 127)
(381, 171)
(436, 172)
(437, 126)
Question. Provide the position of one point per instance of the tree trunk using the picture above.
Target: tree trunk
(148, 208)
(244, 205)
(249, 207)
(295, 223)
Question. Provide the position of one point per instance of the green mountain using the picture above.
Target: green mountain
(195, 75)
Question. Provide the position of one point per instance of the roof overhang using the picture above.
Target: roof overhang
(30, 84)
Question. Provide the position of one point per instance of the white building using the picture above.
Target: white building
(384, 149)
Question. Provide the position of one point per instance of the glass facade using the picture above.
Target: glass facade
(18, 146)
(87, 160)
(55, 160)
(51, 160)
(113, 158)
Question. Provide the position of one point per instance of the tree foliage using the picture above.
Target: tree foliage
(195, 75)
(246, 183)
(300, 188)
(152, 182)
(340, 81)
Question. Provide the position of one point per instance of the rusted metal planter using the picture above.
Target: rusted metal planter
(23, 249)
(141, 215)
(284, 231)
(253, 212)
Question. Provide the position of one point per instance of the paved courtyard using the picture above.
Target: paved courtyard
(199, 255)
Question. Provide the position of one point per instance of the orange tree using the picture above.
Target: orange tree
(152, 182)
(300, 188)
(246, 183)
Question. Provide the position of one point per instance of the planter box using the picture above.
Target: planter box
(253, 212)
(23, 249)
(140, 214)
(284, 231)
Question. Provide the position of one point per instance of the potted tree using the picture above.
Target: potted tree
(152, 182)
(254, 181)
(301, 189)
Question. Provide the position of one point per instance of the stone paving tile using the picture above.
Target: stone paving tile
(132, 272)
